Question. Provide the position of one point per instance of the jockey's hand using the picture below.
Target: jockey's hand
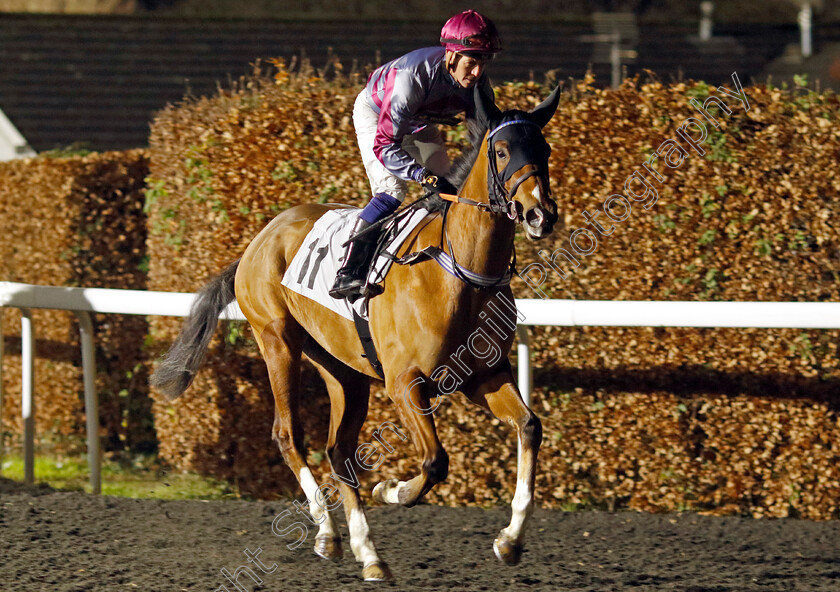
(438, 184)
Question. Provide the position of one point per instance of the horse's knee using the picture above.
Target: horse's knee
(437, 468)
(288, 441)
(285, 441)
(285, 430)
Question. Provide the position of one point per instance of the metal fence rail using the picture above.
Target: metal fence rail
(83, 302)
(563, 313)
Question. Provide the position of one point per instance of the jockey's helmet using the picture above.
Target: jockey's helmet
(470, 32)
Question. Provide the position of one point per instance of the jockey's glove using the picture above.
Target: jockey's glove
(435, 183)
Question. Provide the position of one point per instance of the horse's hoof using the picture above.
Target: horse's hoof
(377, 572)
(328, 547)
(405, 499)
(507, 551)
(378, 492)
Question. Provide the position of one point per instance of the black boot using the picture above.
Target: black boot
(350, 279)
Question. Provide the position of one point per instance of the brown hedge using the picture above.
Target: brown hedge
(76, 221)
(657, 419)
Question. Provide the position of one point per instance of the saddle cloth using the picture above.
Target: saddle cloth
(313, 268)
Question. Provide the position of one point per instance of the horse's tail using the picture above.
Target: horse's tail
(178, 367)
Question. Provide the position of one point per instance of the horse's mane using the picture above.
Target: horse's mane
(462, 165)
(466, 160)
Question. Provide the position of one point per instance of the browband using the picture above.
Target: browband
(511, 122)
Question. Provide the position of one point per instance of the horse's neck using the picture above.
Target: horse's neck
(481, 242)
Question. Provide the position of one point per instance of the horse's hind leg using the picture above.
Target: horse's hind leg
(499, 394)
(281, 345)
(349, 392)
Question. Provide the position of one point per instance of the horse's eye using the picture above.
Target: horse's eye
(501, 154)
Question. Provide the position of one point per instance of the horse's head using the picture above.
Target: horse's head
(517, 155)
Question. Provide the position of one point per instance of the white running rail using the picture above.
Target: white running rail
(83, 302)
(563, 313)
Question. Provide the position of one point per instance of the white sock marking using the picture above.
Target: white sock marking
(310, 488)
(360, 538)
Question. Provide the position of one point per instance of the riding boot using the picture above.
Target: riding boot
(350, 279)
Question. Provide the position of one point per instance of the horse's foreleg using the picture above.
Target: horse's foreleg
(349, 393)
(500, 395)
(280, 344)
(410, 396)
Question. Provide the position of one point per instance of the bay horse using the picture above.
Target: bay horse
(417, 325)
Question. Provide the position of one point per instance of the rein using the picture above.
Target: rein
(501, 205)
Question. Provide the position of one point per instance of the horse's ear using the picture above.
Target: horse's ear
(485, 108)
(543, 113)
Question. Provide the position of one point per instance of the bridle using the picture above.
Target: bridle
(502, 199)
(524, 149)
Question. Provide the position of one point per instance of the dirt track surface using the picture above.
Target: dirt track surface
(68, 541)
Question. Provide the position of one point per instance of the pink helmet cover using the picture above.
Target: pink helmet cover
(470, 31)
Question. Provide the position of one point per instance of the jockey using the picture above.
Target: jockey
(394, 118)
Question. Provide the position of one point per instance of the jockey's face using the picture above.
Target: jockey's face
(465, 69)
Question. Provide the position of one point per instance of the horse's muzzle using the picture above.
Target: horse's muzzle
(539, 221)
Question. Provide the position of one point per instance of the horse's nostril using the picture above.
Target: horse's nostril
(535, 216)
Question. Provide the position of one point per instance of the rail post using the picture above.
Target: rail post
(91, 399)
(2, 432)
(524, 371)
(27, 406)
